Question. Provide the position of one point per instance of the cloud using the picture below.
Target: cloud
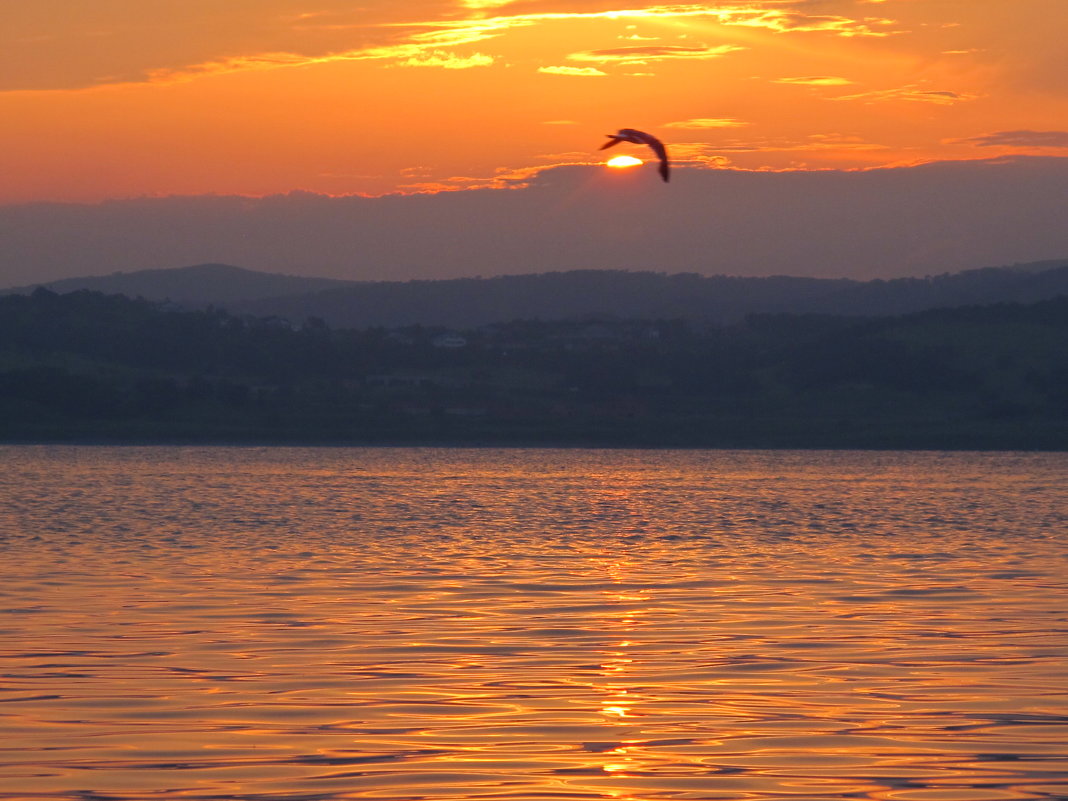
(449, 61)
(262, 61)
(52, 45)
(480, 4)
(582, 72)
(799, 22)
(404, 55)
(647, 53)
(706, 122)
(1018, 139)
(911, 93)
(698, 154)
(816, 80)
(748, 15)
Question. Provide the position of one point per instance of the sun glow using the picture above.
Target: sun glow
(623, 161)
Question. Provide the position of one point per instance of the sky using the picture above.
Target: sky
(123, 104)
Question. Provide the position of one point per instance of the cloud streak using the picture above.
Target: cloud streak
(580, 72)
(815, 80)
(449, 61)
(702, 123)
(912, 93)
(1025, 138)
(648, 53)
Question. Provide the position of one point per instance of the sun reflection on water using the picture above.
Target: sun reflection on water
(257, 623)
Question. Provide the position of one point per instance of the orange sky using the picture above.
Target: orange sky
(127, 98)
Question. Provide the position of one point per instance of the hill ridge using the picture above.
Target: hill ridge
(472, 301)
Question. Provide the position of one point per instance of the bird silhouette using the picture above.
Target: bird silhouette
(640, 138)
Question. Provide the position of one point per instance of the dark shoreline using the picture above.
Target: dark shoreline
(948, 444)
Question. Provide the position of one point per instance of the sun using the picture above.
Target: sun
(623, 161)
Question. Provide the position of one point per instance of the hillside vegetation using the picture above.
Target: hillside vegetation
(88, 366)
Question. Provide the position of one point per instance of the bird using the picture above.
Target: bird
(640, 138)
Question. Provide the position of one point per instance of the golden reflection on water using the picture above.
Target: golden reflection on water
(221, 623)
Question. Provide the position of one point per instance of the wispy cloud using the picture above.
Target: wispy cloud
(784, 21)
(449, 61)
(1018, 139)
(912, 93)
(778, 15)
(503, 177)
(445, 33)
(432, 42)
(480, 4)
(581, 72)
(261, 61)
(706, 122)
(698, 154)
(647, 53)
(400, 56)
(778, 19)
(815, 80)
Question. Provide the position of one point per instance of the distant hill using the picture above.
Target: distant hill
(466, 302)
(196, 286)
(469, 302)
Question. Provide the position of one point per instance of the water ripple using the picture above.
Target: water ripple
(299, 624)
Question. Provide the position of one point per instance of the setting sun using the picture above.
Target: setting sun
(623, 161)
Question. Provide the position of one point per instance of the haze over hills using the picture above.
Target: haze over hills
(468, 302)
(870, 223)
(194, 286)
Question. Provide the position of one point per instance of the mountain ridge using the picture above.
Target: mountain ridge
(467, 302)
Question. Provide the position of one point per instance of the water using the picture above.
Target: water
(298, 624)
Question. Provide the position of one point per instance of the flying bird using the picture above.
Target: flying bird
(641, 138)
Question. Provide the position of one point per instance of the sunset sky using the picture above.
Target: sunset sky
(130, 99)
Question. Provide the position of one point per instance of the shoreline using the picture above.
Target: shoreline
(519, 444)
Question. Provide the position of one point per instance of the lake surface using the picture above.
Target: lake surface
(533, 625)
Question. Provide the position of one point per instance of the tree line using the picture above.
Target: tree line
(88, 366)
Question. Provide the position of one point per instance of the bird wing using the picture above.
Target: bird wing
(658, 148)
(615, 140)
(654, 143)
